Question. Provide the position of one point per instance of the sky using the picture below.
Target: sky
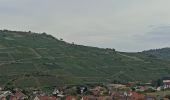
(126, 25)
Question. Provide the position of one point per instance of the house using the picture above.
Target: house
(118, 96)
(159, 88)
(20, 96)
(98, 90)
(53, 98)
(45, 98)
(13, 98)
(5, 93)
(127, 96)
(117, 86)
(150, 98)
(71, 98)
(166, 82)
(145, 88)
(130, 84)
(137, 96)
(58, 92)
(81, 89)
(3, 98)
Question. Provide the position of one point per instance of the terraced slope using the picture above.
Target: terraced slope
(36, 60)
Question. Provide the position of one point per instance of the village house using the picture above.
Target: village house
(166, 82)
(137, 96)
(118, 96)
(71, 98)
(89, 98)
(20, 96)
(130, 84)
(151, 98)
(13, 98)
(98, 90)
(58, 93)
(45, 98)
(144, 88)
(5, 93)
(96, 98)
(3, 98)
(127, 96)
(116, 86)
(105, 98)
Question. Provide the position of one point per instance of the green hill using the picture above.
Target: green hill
(163, 53)
(36, 60)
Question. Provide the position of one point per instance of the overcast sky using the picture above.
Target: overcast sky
(126, 25)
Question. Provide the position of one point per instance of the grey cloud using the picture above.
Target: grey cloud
(158, 37)
(118, 24)
(159, 34)
(162, 31)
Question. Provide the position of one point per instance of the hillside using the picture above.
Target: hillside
(36, 60)
(163, 53)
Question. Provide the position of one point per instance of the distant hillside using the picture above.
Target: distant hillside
(163, 53)
(37, 60)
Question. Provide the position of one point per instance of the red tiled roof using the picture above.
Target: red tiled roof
(13, 98)
(47, 98)
(2, 98)
(52, 98)
(89, 98)
(137, 96)
(19, 95)
(71, 98)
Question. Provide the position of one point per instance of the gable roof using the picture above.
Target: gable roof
(89, 98)
(13, 98)
(3, 98)
(46, 98)
(19, 95)
(137, 96)
(71, 98)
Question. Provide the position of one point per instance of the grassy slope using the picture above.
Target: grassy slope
(163, 53)
(29, 59)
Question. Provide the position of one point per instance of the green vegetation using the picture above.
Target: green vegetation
(160, 93)
(39, 60)
(163, 53)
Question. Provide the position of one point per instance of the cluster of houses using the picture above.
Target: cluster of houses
(8, 95)
(19, 95)
(96, 92)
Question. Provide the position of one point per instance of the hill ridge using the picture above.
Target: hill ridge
(44, 59)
